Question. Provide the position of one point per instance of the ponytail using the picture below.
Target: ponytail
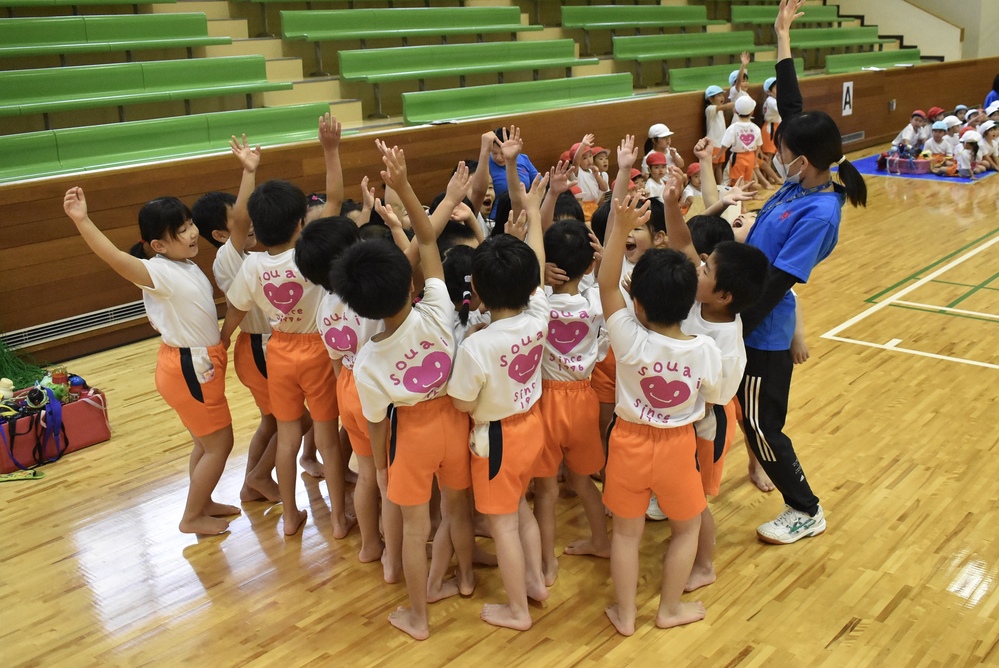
(466, 301)
(856, 187)
(458, 279)
(139, 250)
(649, 144)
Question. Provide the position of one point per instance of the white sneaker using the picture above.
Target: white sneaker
(792, 525)
(654, 512)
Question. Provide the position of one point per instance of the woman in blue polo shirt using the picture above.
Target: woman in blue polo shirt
(797, 228)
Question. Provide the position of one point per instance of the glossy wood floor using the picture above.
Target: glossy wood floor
(901, 448)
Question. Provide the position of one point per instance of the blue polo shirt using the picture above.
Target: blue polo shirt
(525, 170)
(795, 236)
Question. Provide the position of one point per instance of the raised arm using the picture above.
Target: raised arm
(329, 137)
(129, 267)
(789, 101)
(532, 199)
(511, 148)
(479, 183)
(704, 152)
(367, 201)
(249, 157)
(627, 155)
(677, 232)
(622, 220)
(586, 143)
(738, 193)
(558, 183)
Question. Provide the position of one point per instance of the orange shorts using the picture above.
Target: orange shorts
(643, 459)
(711, 451)
(499, 480)
(426, 439)
(299, 370)
(603, 380)
(251, 368)
(570, 412)
(742, 167)
(769, 131)
(718, 157)
(351, 416)
(180, 380)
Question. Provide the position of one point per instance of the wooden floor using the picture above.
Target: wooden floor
(900, 446)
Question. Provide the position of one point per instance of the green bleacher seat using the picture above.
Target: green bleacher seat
(202, 77)
(402, 23)
(36, 36)
(53, 152)
(766, 14)
(625, 17)
(830, 38)
(643, 48)
(38, 4)
(416, 63)
(513, 98)
(685, 79)
(841, 63)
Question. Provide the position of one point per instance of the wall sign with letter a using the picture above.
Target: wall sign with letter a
(847, 98)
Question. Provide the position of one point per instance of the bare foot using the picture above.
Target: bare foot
(466, 583)
(760, 478)
(550, 572)
(482, 558)
(312, 467)
(446, 589)
(625, 627)
(587, 548)
(537, 593)
(404, 620)
(499, 614)
(265, 487)
(204, 526)
(390, 572)
(700, 577)
(369, 554)
(293, 522)
(685, 613)
(342, 527)
(247, 494)
(216, 509)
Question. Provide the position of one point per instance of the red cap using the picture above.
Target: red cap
(920, 113)
(575, 147)
(693, 168)
(575, 190)
(599, 149)
(635, 173)
(565, 157)
(934, 111)
(631, 184)
(655, 158)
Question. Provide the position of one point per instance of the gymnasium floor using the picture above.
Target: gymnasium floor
(895, 417)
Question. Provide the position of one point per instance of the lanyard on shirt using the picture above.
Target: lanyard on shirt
(779, 198)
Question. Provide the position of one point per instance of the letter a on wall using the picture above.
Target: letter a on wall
(847, 98)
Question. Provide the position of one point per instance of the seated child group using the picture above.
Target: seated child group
(963, 143)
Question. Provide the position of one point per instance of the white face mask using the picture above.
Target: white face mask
(781, 170)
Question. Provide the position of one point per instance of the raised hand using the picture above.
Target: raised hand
(388, 215)
(367, 195)
(458, 185)
(741, 191)
(554, 276)
(248, 155)
(512, 146)
(329, 132)
(744, 58)
(559, 176)
(537, 192)
(517, 228)
(704, 149)
(627, 153)
(787, 13)
(628, 215)
(75, 205)
(588, 140)
(394, 174)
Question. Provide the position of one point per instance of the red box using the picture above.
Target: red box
(899, 165)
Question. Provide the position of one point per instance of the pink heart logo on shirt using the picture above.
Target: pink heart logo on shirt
(523, 366)
(344, 340)
(564, 336)
(663, 393)
(284, 297)
(747, 138)
(429, 374)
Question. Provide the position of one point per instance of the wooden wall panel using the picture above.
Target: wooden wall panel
(47, 273)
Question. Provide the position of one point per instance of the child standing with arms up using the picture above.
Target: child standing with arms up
(714, 117)
(744, 139)
(190, 365)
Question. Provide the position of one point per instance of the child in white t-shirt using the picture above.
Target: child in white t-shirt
(714, 115)
(497, 379)
(771, 121)
(990, 144)
(738, 80)
(744, 140)
(190, 365)
(967, 159)
(913, 135)
(664, 380)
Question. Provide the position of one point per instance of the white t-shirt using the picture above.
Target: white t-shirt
(955, 143)
(574, 326)
(714, 119)
(499, 367)
(770, 113)
(655, 188)
(274, 283)
(743, 137)
(228, 262)
(908, 134)
(965, 160)
(987, 148)
(728, 337)
(475, 319)
(414, 363)
(588, 184)
(690, 191)
(661, 381)
(344, 332)
(942, 148)
(180, 303)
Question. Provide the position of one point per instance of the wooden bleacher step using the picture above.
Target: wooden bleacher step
(316, 89)
(213, 9)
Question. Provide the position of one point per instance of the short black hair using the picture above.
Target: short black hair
(740, 270)
(350, 205)
(374, 230)
(567, 206)
(598, 220)
(373, 278)
(436, 202)
(453, 234)
(505, 272)
(210, 213)
(503, 206)
(664, 282)
(708, 231)
(471, 164)
(276, 208)
(657, 219)
(319, 245)
(457, 270)
(567, 245)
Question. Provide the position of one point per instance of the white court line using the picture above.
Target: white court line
(948, 309)
(833, 334)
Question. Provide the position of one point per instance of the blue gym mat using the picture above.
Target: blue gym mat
(869, 167)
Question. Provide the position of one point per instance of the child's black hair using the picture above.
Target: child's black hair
(319, 245)
(458, 278)
(567, 245)
(436, 202)
(740, 270)
(315, 199)
(373, 231)
(657, 219)
(373, 278)
(454, 234)
(503, 208)
(664, 282)
(567, 206)
(706, 232)
(276, 209)
(350, 206)
(211, 213)
(598, 220)
(505, 272)
(471, 164)
(815, 135)
(158, 219)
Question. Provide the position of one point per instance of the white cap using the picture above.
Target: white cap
(951, 121)
(659, 130)
(971, 135)
(992, 108)
(744, 105)
(986, 126)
